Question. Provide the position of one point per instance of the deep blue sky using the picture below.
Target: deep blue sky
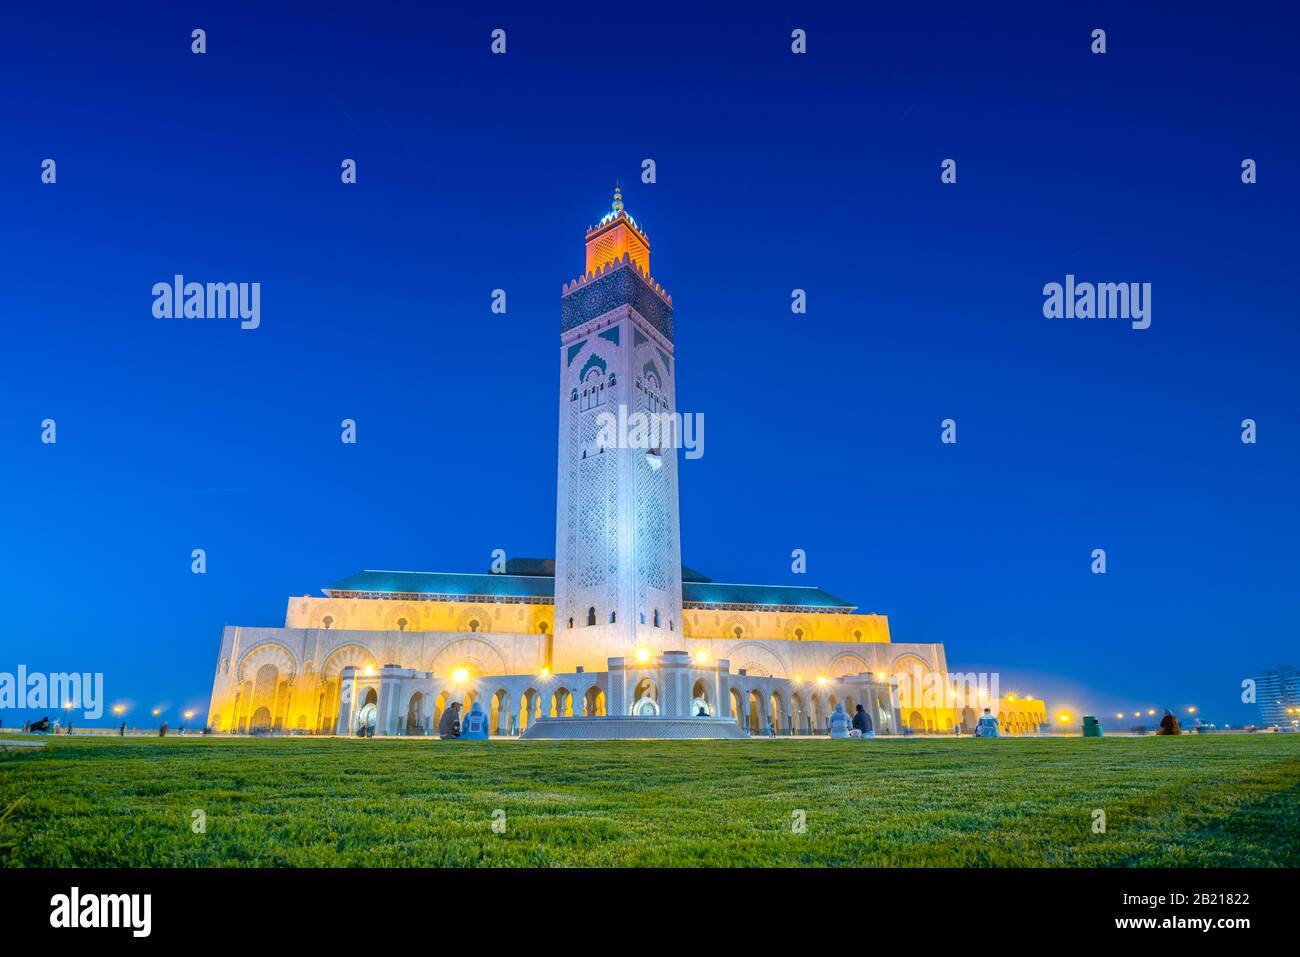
(775, 172)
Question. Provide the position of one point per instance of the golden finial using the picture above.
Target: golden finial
(618, 198)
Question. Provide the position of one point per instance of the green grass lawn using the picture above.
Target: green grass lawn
(1189, 801)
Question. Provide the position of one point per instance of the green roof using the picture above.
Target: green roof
(720, 593)
(542, 586)
(446, 583)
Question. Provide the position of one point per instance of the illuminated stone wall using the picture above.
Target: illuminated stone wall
(372, 614)
(287, 679)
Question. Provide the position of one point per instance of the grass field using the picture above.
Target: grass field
(1190, 801)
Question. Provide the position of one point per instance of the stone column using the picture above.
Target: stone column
(616, 703)
(347, 700)
(388, 707)
(722, 686)
(675, 693)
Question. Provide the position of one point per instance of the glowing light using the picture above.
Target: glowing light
(798, 677)
(1151, 710)
(1063, 718)
(544, 674)
(118, 709)
(1011, 697)
(370, 669)
(643, 655)
(156, 712)
(1120, 715)
(880, 676)
(1191, 710)
(67, 706)
(821, 680)
(701, 656)
(188, 715)
(1137, 714)
(460, 675)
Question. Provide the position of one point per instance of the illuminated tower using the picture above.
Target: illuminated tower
(618, 581)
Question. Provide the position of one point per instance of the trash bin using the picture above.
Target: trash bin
(1091, 727)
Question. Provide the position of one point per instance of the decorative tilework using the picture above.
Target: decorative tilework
(618, 287)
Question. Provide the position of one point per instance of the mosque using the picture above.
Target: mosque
(615, 626)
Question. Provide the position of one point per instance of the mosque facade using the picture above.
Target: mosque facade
(615, 626)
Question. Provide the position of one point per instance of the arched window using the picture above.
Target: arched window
(738, 631)
(327, 621)
(570, 622)
(670, 624)
(656, 617)
(612, 616)
(591, 615)
(643, 618)
(798, 634)
(473, 624)
(593, 392)
(542, 627)
(401, 624)
(857, 635)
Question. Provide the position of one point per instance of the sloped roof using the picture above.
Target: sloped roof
(446, 583)
(533, 584)
(722, 593)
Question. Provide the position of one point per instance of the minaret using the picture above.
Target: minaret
(618, 584)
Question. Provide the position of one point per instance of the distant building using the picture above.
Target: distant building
(1276, 690)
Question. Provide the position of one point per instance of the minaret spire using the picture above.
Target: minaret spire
(617, 235)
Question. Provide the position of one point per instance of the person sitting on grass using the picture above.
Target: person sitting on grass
(862, 723)
(1169, 724)
(987, 726)
(476, 724)
(449, 723)
(840, 723)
